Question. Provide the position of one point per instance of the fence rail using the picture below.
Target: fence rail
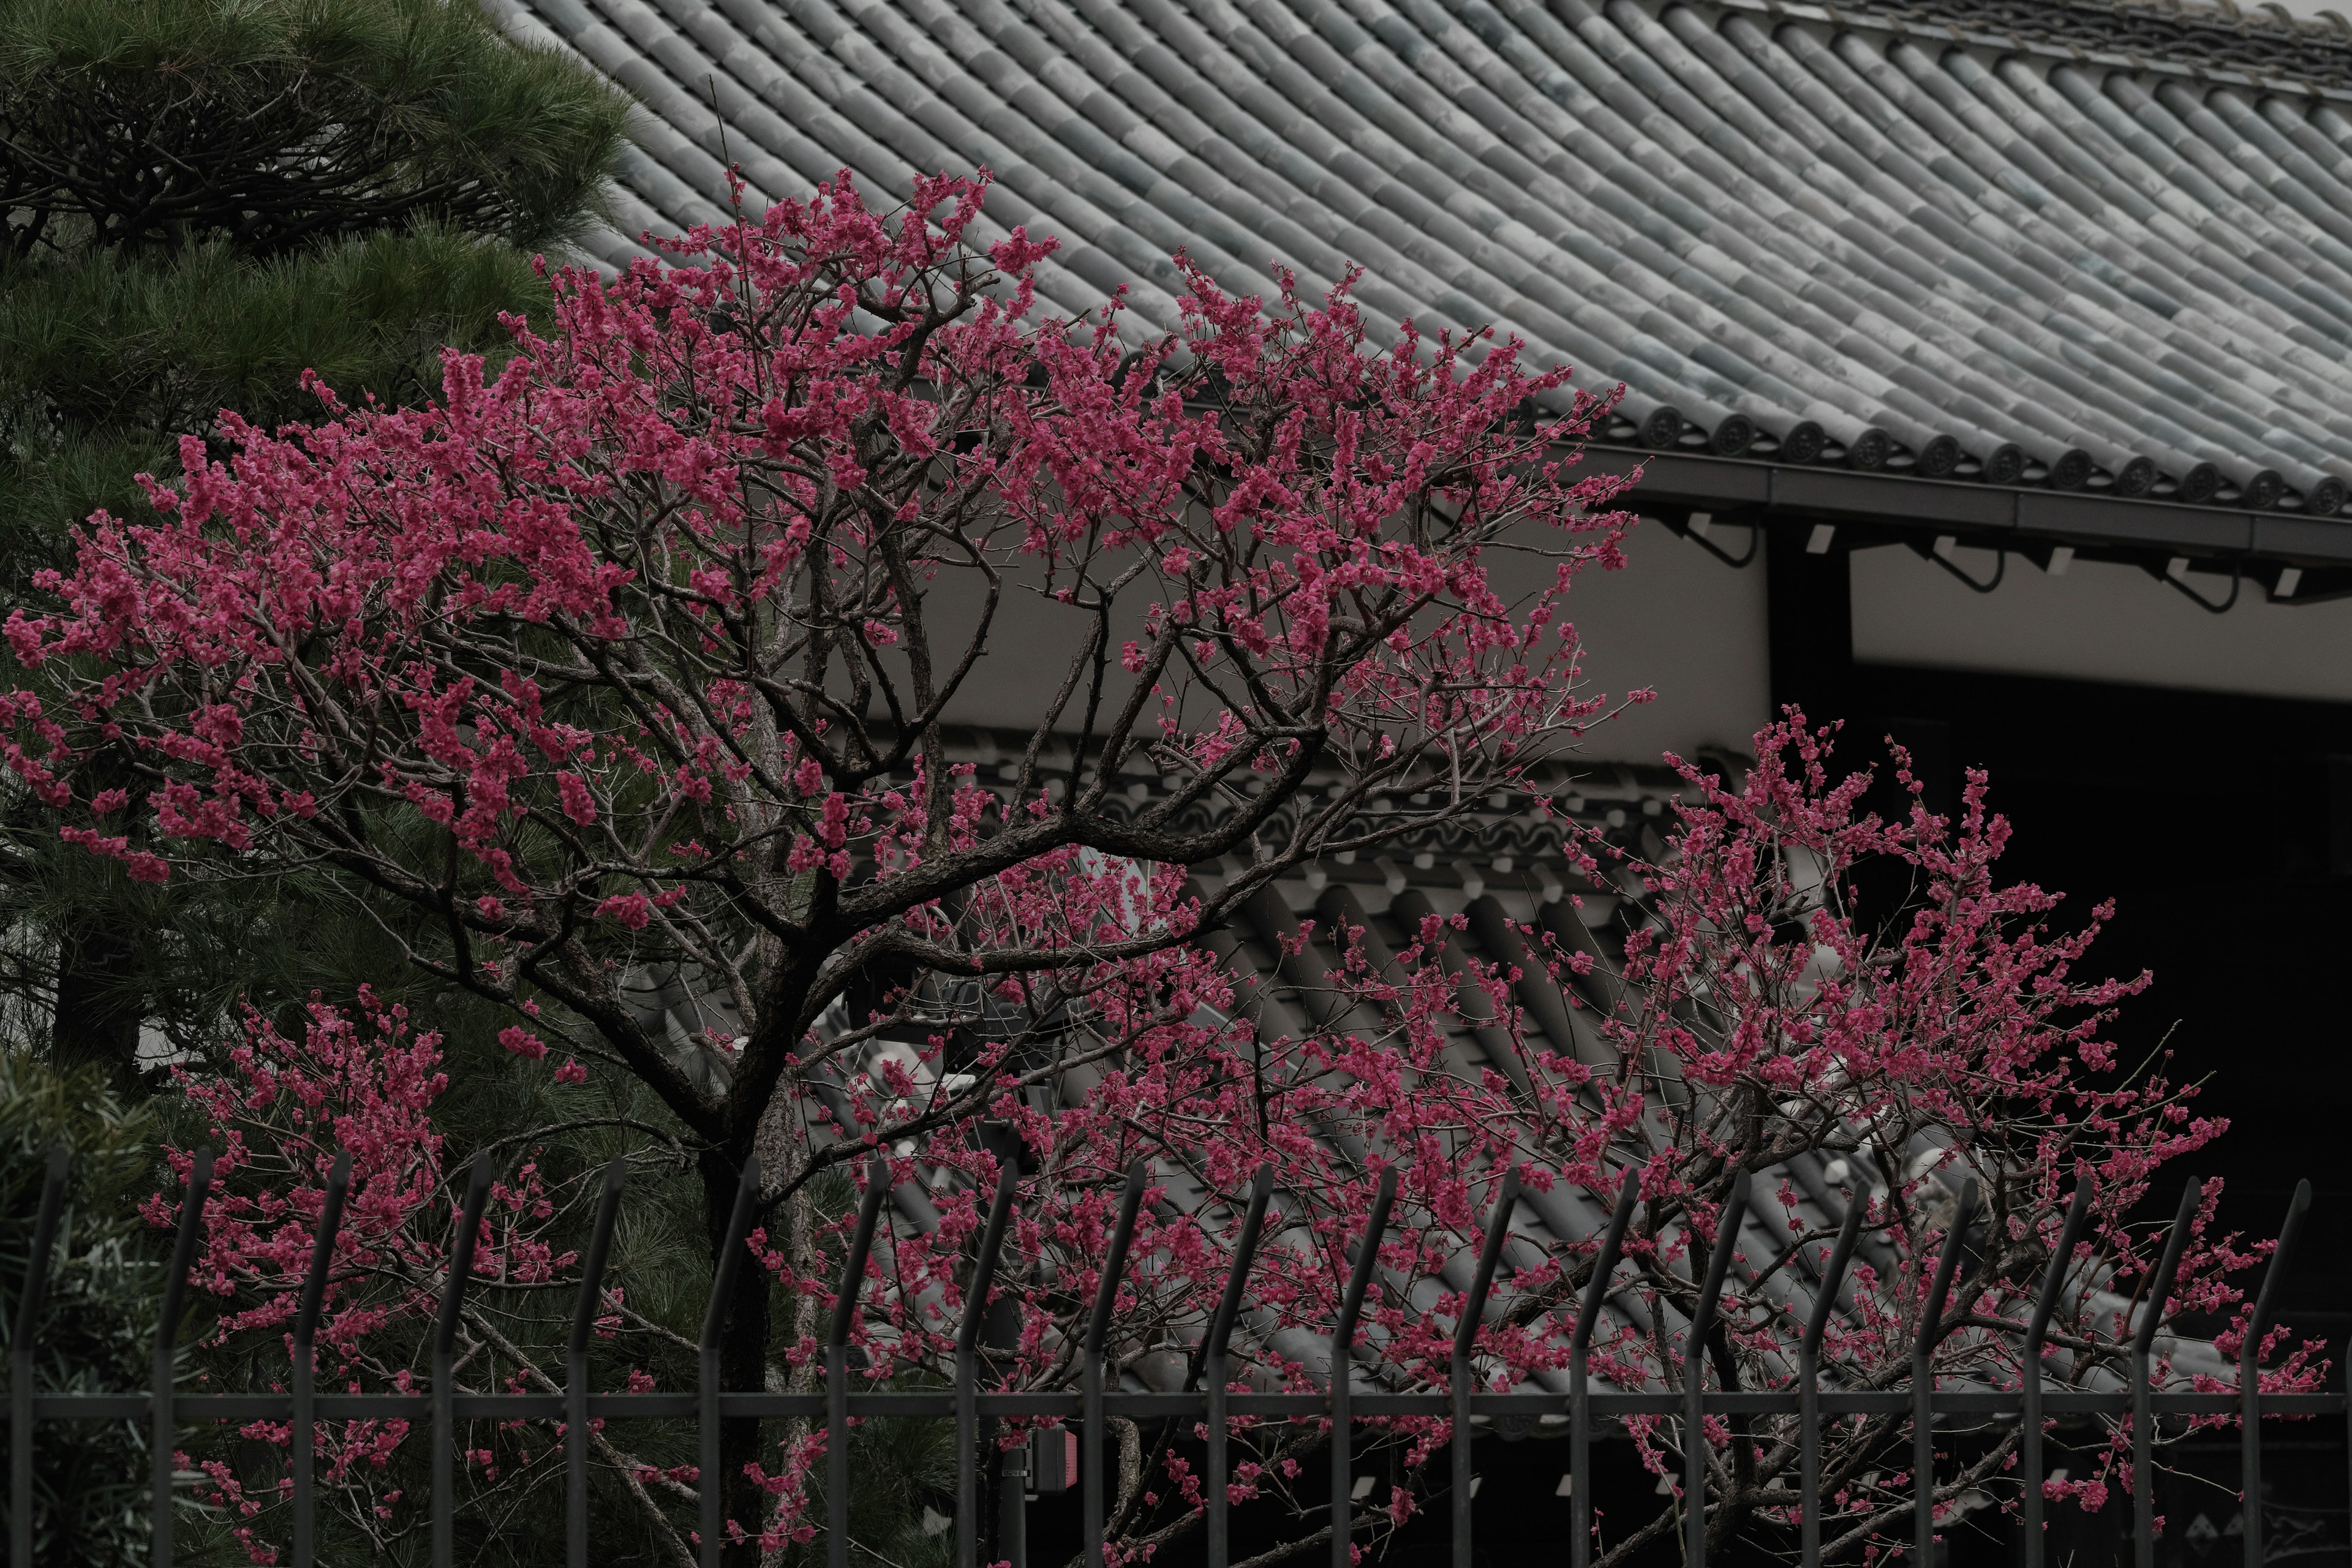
(1093, 1405)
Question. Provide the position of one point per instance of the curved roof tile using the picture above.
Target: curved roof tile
(2075, 243)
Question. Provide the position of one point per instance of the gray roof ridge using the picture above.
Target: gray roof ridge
(2262, 47)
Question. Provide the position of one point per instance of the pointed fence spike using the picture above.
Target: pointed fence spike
(577, 1433)
(837, 1371)
(32, 1298)
(2250, 1361)
(1214, 1371)
(1728, 1222)
(2054, 1280)
(1343, 1341)
(710, 1487)
(1928, 1333)
(1579, 1394)
(1808, 1379)
(167, 1338)
(967, 1366)
(2159, 1290)
(306, 1362)
(462, 1243)
(1465, 1336)
(1130, 1205)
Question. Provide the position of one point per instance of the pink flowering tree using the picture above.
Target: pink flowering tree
(1768, 1014)
(642, 653)
(363, 1082)
(1763, 1017)
(277, 1109)
(643, 658)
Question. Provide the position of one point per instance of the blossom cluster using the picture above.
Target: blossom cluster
(639, 658)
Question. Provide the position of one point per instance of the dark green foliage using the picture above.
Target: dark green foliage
(200, 201)
(277, 125)
(98, 1325)
(107, 357)
(902, 1496)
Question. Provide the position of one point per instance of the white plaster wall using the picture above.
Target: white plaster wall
(2097, 622)
(1674, 619)
(1683, 623)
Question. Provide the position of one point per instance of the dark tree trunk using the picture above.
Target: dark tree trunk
(98, 1009)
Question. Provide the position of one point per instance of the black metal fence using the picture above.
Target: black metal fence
(1209, 1400)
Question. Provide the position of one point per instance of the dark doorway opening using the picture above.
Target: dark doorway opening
(2222, 827)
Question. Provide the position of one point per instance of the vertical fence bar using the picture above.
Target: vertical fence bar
(1579, 1395)
(462, 1241)
(2250, 1357)
(1465, 1335)
(2070, 1236)
(2142, 1373)
(711, 1484)
(306, 1363)
(20, 1357)
(1090, 1371)
(1923, 1382)
(1728, 1221)
(1931, 1330)
(1343, 1341)
(967, 1367)
(576, 1430)
(1808, 1380)
(1215, 1376)
(836, 1372)
(167, 1337)
(1012, 1538)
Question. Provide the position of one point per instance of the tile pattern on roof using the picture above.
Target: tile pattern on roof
(2213, 38)
(1504, 871)
(1782, 238)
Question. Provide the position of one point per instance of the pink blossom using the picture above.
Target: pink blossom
(522, 1042)
(630, 909)
(642, 579)
(578, 803)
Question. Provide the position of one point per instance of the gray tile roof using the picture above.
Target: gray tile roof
(2213, 37)
(1884, 245)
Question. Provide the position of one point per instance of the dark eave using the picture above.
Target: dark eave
(1728, 495)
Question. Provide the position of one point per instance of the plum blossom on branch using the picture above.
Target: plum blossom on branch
(639, 658)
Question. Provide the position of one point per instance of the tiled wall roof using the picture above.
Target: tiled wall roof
(1502, 869)
(1842, 244)
(2208, 38)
